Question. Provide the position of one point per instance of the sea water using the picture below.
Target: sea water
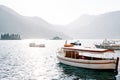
(18, 61)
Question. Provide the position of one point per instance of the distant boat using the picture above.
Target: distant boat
(36, 45)
(90, 58)
(113, 45)
(77, 43)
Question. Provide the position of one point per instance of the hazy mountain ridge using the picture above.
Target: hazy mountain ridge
(28, 27)
(86, 26)
(100, 26)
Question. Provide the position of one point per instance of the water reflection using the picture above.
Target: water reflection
(75, 73)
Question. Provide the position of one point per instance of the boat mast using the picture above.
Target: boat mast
(117, 63)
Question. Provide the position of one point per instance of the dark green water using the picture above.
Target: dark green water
(86, 74)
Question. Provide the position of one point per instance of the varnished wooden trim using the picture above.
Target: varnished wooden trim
(86, 62)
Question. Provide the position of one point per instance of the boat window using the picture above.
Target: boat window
(72, 54)
(77, 55)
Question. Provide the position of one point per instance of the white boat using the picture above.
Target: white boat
(113, 45)
(36, 45)
(88, 58)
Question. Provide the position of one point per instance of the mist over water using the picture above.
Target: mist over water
(18, 61)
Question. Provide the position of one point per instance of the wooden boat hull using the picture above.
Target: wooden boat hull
(90, 64)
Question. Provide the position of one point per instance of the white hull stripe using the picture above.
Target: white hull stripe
(112, 62)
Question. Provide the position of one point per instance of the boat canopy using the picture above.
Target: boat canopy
(97, 53)
(105, 55)
(79, 48)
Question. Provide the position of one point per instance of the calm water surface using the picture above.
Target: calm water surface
(18, 61)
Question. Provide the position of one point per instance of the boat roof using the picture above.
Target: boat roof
(107, 55)
(87, 49)
(92, 52)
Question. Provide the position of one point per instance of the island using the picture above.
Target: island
(57, 38)
(8, 36)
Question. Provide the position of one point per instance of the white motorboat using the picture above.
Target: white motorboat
(36, 45)
(113, 45)
(88, 58)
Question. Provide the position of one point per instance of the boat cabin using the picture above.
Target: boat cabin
(88, 58)
(74, 54)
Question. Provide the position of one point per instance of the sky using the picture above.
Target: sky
(61, 12)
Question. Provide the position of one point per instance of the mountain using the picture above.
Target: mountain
(105, 25)
(27, 27)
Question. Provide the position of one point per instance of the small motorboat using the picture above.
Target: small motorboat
(77, 43)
